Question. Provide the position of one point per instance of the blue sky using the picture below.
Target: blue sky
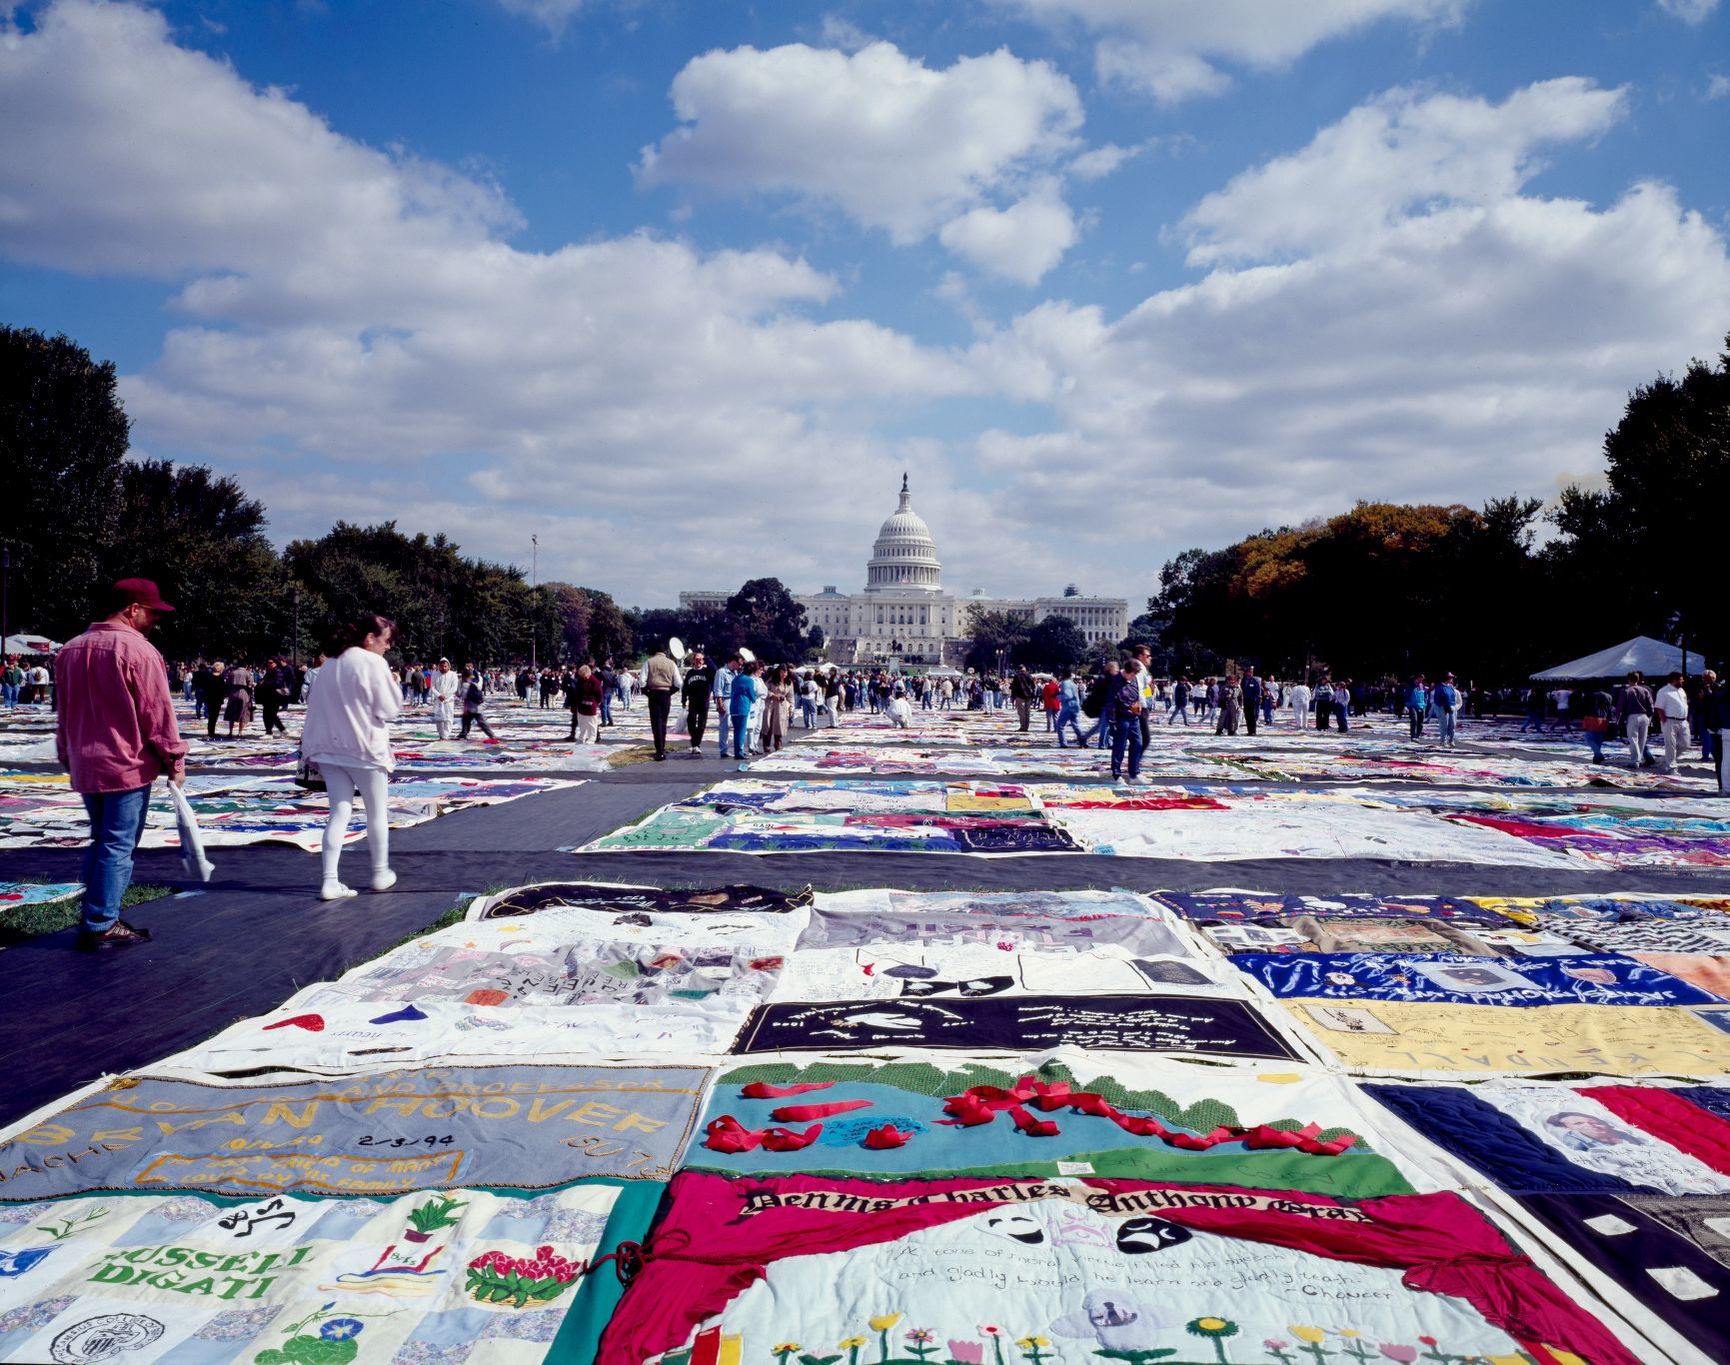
(682, 286)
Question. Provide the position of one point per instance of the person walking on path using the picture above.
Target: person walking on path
(1714, 720)
(1343, 703)
(237, 710)
(1068, 708)
(1126, 720)
(1254, 693)
(694, 693)
(1021, 691)
(740, 701)
(115, 734)
(1299, 699)
(474, 704)
(722, 692)
(1444, 704)
(1098, 706)
(11, 679)
(347, 735)
(1417, 705)
(445, 686)
(1226, 724)
(1180, 691)
(1634, 710)
(583, 697)
(777, 708)
(273, 695)
(1672, 708)
(660, 681)
(1595, 712)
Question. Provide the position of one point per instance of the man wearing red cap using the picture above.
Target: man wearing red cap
(116, 736)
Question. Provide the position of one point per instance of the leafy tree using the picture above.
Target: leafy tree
(1643, 549)
(201, 538)
(609, 632)
(1056, 642)
(771, 622)
(993, 637)
(63, 435)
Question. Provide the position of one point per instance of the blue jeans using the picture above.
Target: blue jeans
(1067, 717)
(1445, 719)
(116, 824)
(1179, 712)
(1128, 737)
(723, 727)
(606, 706)
(1100, 727)
(808, 713)
(9, 694)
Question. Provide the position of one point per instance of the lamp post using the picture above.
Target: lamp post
(5, 599)
(295, 643)
(534, 604)
(1678, 628)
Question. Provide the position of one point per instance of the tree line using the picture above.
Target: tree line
(1490, 593)
(78, 515)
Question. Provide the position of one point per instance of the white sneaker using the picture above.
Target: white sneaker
(336, 891)
(383, 881)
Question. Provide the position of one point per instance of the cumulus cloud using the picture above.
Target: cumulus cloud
(360, 339)
(1400, 153)
(1449, 341)
(551, 15)
(875, 133)
(1020, 242)
(1174, 49)
(1689, 11)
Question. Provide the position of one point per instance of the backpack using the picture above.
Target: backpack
(1094, 702)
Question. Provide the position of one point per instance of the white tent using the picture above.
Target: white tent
(1652, 657)
(28, 644)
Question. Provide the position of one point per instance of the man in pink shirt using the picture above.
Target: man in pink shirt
(116, 736)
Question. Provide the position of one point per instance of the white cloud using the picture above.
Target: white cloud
(1402, 155)
(890, 142)
(1020, 242)
(359, 341)
(1099, 162)
(1173, 48)
(551, 15)
(1451, 340)
(175, 164)
(1717, 86)
(1689, 11)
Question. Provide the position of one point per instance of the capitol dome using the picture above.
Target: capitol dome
(904, 557)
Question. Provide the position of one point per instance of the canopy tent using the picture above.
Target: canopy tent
(29, 644)
(943, 671)
(1652, 657)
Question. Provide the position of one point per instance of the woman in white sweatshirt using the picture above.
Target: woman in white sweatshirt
(347, 734)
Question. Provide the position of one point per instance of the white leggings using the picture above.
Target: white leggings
(344, 783)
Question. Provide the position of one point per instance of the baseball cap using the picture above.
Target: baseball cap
(142, 592)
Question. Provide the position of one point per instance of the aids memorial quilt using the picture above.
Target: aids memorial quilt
(16, 894)
(1064, 1114)
(886, 944)
(383, 1133)
(1028, 1023)
(1256, 907)
(463, 1276)
(901, 817)
(1586, 979)
(1409, 1038)
(1634, 1180)
(1074, 1269)
(630, 900)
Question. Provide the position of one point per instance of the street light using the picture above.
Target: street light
(534, 604)
(295, 645)
(5, 593)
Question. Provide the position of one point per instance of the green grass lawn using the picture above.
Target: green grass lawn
(29, 921)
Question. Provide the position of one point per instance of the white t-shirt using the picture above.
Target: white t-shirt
(1672, 702)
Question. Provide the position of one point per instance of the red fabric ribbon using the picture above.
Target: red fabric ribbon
(804, 1113)
(727, 1134)
(885, 1138)
(982, 1103)
(762, 1090)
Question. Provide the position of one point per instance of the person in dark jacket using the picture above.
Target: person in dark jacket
(694, 694)
(1253, 690)
(1126, 721)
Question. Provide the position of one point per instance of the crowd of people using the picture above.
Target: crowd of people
(117, 730)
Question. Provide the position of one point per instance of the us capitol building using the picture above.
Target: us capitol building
(905, 615)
